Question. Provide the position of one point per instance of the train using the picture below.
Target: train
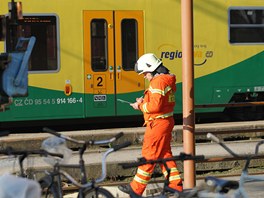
(82, 64)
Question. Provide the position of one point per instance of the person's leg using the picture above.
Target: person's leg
(144, 172)
(164, 127)
(142, 178)
(175, 177)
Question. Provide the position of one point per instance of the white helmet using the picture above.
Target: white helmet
(147, 63)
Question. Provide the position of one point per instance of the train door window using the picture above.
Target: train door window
(246, 25)
(45, 52)
(99, 44)
(129, 43)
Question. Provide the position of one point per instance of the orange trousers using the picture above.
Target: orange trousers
(156, 145)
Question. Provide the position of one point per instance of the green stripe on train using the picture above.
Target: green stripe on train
(219, 87)
(44, 104)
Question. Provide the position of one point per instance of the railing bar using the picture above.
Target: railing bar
(240, 104)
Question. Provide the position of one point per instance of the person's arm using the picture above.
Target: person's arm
(154, 105)
(136, 105)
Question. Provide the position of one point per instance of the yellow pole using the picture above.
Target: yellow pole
(188, 91)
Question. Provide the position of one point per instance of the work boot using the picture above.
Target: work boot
(126, 188)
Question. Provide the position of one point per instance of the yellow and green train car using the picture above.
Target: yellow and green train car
(85, 51)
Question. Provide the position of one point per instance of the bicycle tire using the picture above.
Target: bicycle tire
(97, 193)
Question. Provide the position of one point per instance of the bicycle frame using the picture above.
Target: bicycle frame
(84, 186)
(244, 177)
(83, 180)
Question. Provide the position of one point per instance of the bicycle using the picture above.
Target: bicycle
(166, 190)
(86, 189)
(244, 177)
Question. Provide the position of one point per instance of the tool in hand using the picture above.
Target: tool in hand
(124, 101)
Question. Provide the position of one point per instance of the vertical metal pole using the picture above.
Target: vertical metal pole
(188, 91)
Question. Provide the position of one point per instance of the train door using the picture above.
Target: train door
(113, 41)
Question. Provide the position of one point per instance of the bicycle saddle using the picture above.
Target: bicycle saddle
(221, 185)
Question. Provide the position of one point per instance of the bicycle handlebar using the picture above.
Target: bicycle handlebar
(120, 146)
(48, 130)
(103, 142)
(218, 141)
(257, 146)
(103, 175)
(117, 136)
(213, 138)
(90, 142)
(55, 133)
(182, 157)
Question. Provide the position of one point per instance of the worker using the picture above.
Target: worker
(157, 107)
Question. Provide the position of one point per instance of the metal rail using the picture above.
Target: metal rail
(239, 104)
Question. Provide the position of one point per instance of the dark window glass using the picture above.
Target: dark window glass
(99, 44)
(2, 28)
(44, 56)
(129, 43)
(247, 16)
(246, 25)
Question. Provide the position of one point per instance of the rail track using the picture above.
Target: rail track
(241, 136)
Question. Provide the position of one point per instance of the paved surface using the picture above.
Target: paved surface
(93, 156)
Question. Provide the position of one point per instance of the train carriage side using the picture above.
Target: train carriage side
(229, 41)
(55, 83)
(83, 60)
(85, 53)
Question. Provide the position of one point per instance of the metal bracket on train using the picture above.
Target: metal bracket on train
(14, 72)
(4, 59)
(5, 102)
(15, 13)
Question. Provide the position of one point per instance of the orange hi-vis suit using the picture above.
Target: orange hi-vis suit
(157, 107)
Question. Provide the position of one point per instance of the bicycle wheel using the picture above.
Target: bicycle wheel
(96, 193)
(49, 190)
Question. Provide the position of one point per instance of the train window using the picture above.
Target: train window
(99, 44)
(129, 43)
(45, 52)
(2, 27)
(246, 25)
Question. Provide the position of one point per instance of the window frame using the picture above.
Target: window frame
(105, 39)
(124, 51)
(57, 29)
(243, 25)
